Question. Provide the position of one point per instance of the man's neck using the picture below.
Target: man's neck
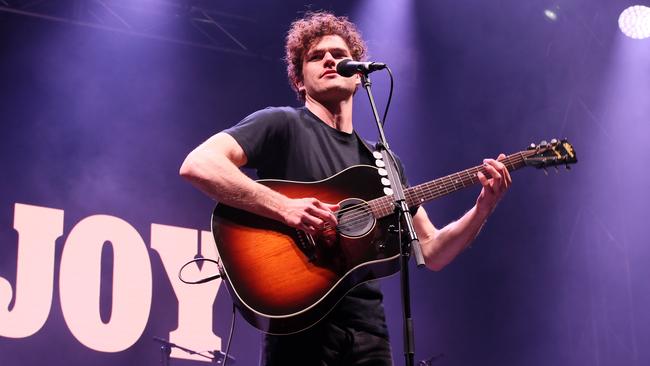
(337, 115)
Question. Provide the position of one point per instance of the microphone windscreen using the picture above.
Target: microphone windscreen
(343, 69)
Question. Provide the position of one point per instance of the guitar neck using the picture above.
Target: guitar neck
(436, 188)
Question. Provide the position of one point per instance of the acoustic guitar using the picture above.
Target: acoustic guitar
(284, 280)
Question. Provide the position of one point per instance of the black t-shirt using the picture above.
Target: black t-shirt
(294, 144)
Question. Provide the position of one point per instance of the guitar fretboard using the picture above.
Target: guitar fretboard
(436, 188)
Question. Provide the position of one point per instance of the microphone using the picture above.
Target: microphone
(348, 67)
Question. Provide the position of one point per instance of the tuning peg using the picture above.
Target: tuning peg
(543, 143)
(554, 141)
(532, 146)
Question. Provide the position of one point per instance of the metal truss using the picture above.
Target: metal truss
(191, 23)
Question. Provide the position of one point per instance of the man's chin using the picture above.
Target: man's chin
(333, 94)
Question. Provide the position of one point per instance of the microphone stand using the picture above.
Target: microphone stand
(411, 242)
(166, 350)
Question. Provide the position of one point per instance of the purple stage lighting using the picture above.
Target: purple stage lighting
(635, 22)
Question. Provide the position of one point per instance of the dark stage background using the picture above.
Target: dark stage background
(96, 118)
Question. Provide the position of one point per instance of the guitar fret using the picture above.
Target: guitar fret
(439, 188)
(523, 159)
(471, 179)
(460, 179)
(423, 194)
(453, 182)
(445, 184)
(450, 180)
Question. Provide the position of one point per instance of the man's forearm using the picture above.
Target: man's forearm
(220, 179)
(446, 243)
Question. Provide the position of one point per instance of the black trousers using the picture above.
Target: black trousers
(326, 344)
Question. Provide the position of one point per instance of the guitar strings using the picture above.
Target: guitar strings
(450, 186)
(447, 187)
(359, 211)
(441, 187)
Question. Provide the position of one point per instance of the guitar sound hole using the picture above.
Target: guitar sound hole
(355, 218)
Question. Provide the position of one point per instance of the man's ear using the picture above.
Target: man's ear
(300, 86)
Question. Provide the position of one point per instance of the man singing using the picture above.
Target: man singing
(311, 143)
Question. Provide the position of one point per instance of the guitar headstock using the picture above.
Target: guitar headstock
(552, 153)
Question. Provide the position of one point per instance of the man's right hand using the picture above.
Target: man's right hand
(309, 214)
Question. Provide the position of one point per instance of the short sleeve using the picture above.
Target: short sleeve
(262, 135)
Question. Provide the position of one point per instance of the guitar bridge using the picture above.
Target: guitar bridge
(307, 244)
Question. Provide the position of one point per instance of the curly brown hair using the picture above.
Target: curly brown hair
(308, 30)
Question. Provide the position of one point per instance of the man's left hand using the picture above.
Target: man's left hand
(495, 187)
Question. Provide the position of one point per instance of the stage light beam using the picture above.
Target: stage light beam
(634, 22)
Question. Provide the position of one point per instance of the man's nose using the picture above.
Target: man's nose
(329, 59)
